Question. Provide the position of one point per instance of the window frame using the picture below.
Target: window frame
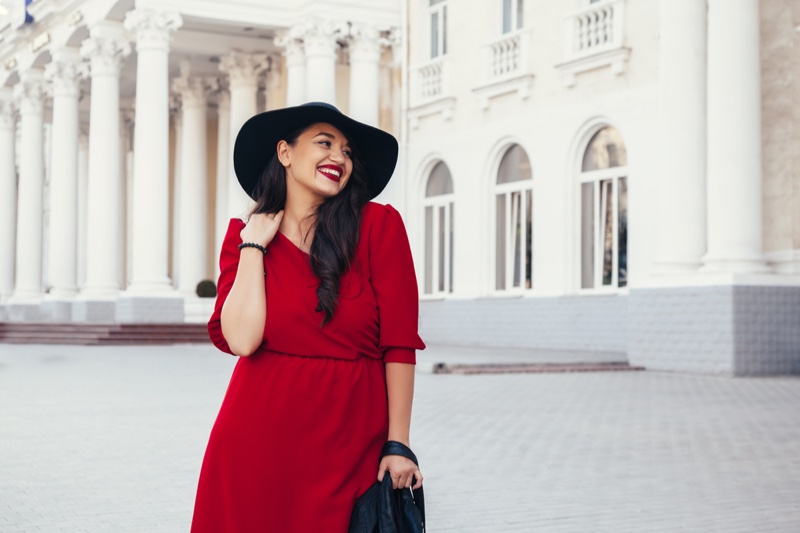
(507, 189)
(596, 177)
(437, 203)
(516, 24)
(439, 8)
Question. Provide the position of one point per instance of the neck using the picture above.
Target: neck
(299, 213)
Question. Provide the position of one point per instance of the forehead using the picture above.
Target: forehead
(324, 128)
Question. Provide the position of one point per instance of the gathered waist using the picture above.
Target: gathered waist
(264, 351)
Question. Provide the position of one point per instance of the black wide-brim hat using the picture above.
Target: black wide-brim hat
(258, 139)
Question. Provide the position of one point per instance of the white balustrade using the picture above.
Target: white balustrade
(596, 28)
(430, 80)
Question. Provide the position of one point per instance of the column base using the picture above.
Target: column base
(785, 261)
(141, 309)
(667, 268)
(735, 265)
(735, 330)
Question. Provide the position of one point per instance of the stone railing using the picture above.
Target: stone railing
(594, 29)
(506, 56)
(430, 80)
(430, 89)
(594, 38)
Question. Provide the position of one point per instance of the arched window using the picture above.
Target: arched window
(604, 212)
(514, 222)
(438, 204)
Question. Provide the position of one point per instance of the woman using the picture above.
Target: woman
(318, 298)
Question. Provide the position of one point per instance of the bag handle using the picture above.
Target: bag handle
(393, 447)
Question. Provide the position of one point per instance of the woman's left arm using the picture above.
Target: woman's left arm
(400, 393)
(395, 285)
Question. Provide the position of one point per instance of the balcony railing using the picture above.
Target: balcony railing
(505, 67)
(430, 89)
(430, 80)
(596, 28)
(506, 56)
(594, 38)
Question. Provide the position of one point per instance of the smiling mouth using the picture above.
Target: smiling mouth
(330, 172)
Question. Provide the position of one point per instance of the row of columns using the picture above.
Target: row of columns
(100, 56)
(710, 195)
(311, 51)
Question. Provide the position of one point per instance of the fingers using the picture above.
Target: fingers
(404, 473)
(418, 476)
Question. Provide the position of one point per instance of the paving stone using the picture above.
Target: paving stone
(111, 439)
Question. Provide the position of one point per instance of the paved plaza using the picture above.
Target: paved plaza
(110, 439)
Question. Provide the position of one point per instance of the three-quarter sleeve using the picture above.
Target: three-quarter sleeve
(395, 284)
(228, 265)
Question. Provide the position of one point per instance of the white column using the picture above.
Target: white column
(193, 210)
(365, 57)
(64, 73)
(104, 223)
(734, 138)
(272, 84)
(30, 93)
(295, 69)
(682, 84)
(177, 171)
(83, 189)
(320, 49)
(243, 71)
(8, 195)
(151, 155)
(223, 154)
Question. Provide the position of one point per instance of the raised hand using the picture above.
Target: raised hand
(261, 228)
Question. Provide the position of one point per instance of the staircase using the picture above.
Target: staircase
(102, 334)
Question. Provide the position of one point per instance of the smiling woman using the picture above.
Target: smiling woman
(317, 294)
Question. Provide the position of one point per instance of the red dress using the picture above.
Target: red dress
(299, 433)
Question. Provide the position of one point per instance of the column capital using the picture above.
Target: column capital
(223, 98)
(7, 109)
(105, 53)
(321, 38)
(194, 90)
(365, 42)
(29, 92)
(151, 28)
(65, 72)
(243, 69)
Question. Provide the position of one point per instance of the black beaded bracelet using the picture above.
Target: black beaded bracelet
(253, 245)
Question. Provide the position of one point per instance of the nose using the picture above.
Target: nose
(337, 156)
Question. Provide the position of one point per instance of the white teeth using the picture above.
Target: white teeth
(329, 171)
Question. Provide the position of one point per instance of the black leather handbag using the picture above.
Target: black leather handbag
(383, 509)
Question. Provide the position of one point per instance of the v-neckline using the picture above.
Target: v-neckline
(293, 245)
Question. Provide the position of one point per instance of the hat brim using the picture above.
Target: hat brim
(258, 139)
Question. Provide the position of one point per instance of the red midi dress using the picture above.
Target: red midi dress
(300, 430)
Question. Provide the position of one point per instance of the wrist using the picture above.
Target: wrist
(401, 439)
(253, 246)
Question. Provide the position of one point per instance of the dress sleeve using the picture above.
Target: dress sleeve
(395, 284)
(228, 265)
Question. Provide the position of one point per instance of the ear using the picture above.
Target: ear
(283, 153)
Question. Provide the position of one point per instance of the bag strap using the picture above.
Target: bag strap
(393, 447)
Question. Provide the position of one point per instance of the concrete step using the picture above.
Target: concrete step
(100, 334)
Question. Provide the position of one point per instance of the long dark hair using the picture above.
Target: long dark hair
(336, 224)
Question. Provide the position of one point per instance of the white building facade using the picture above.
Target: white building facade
(615, 176)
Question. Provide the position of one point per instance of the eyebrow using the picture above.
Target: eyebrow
(331, 136)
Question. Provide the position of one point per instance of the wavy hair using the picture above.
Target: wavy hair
(336, 224)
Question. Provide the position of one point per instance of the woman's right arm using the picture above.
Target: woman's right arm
(244, 312)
